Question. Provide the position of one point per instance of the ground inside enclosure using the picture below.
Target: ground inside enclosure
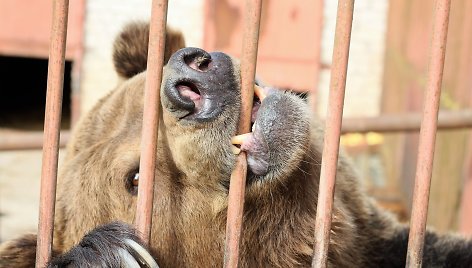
(19, 192)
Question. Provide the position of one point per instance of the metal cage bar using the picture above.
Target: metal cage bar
(428, 135)
(52, 123)
(333, 131)
(147, 165)
(238, 177)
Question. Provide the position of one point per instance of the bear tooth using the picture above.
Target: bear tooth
(235, 150)
(239, 139)
(260, 92)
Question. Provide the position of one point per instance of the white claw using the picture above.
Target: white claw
(235, 150)
(127, 260)
(141, 254)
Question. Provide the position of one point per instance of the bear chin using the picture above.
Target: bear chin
(200, 104)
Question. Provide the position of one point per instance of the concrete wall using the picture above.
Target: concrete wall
(364, 78)
(105, 18)
(103, 21)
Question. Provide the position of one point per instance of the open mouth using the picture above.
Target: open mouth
(259, 95)
(190, 94)
(256, 104)
(190, 91)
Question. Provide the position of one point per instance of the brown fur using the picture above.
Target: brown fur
(19, 253)
(192, 176)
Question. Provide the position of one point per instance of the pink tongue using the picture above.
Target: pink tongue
(185, 91)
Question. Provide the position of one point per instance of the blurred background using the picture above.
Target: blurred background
(386, 76)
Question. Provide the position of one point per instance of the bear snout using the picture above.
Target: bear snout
(199, 85)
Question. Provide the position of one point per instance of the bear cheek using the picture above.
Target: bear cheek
(185, 149)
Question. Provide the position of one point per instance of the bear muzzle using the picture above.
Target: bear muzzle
(201, 84)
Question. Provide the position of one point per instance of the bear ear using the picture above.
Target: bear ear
(130, 48)
(19, 252)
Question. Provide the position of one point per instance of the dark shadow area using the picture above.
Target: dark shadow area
(23, 93)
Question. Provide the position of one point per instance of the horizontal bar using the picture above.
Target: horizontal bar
(238, 177)
(424, 167)
(406, 122)
(333, 131)
(147, 165)
(52, 124)
(27, 140)
(447, 120)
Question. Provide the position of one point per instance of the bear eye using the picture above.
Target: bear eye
(132, 182)
(136, 179)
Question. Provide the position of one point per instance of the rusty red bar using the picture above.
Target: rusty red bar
(333, 131)
(427, 139)
(238, 177)
(147, 165)
(52, 122)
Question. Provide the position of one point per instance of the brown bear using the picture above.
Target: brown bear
(200, 103)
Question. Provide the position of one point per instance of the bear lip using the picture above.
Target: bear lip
(197, 102)
(257, 150)
(255, 108)
(255, 145)
(191, 92)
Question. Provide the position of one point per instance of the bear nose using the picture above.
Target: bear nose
(192, 65)
(192, 58)
(198, 60)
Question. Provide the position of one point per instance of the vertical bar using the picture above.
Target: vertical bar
(428, 135)
(333, 130)
(147, 165)
(52, 122)
(238, 177)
